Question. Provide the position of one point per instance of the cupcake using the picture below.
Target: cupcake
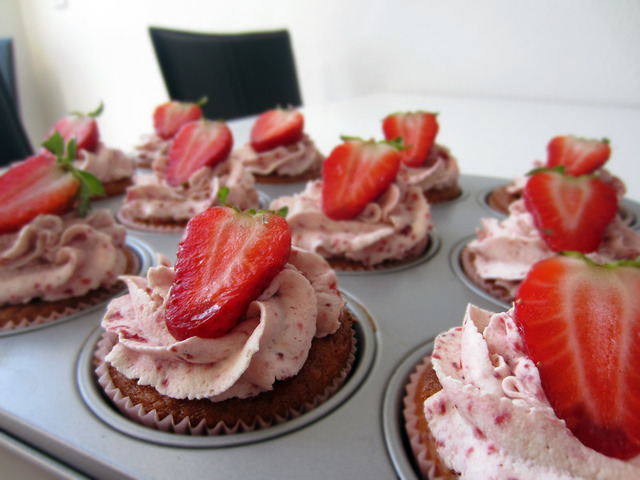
(239, 335)
(188, 181)
(57, 257)
(168, 117)
(558, 212)
(531, 393)
(360, 215)
(578, 156)
(279, 151)
(425, 163)
(111, 166)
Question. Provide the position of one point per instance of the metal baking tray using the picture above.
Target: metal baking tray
(49, 403)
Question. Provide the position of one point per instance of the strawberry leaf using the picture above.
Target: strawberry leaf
(55, 144)
(96, 113)
(89, 185)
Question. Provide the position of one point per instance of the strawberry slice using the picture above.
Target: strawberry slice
(82, 127)
(417, 130)
(170, 116)
(276, 128)
(202, 143)
(225, 260)
(47, 183)
(581, 326)
(355, 174)
(33, 187)
(570, 212)
(578, 155)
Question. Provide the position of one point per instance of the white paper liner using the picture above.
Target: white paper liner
(152, 420)
(130, 222)
(419, 449)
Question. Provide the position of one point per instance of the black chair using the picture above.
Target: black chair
(241, 74)
(7, 71)
(14, 142)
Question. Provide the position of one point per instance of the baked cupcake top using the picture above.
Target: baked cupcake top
(92, 154)
(424, 163)
(492, 414)
(188, 180)
(228, 327)
(168, 118)
(51, 245)
(506, 408)
(577, 155)
(505, 250)
(279, 146)
(360, 210)
(106, 164)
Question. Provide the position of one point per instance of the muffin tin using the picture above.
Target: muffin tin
(50, 401)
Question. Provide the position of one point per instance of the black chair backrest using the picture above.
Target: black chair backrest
(14, 143)
(7, 72)
(241, 74)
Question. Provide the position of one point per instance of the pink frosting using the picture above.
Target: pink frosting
(271, 343)
(152, 148)
(440, 174)
(395, 226)
(506, 250)
(492, 418)
(107, 164)
(54, 258)
(290, 160)
(152, 198)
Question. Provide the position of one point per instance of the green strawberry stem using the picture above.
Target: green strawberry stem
(396, 142)
(223, 193)
(560, 169)
(618, 263)
(89, 185)
(95, 114)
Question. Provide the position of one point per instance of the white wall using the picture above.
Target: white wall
(73, 57)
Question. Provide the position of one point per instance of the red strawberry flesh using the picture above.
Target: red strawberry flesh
(571, 213)
(170, 116)
(225, 260)
(355, 174)
(418, 131)
(197, 144)
(33, 187)
(581, 326)
(83, 127)
(579, 156)
(276, 128)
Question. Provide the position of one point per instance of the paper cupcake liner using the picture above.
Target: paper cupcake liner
(151, 227)
(151, 419)
(114, 188)
(423, 457)
(277, 179)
